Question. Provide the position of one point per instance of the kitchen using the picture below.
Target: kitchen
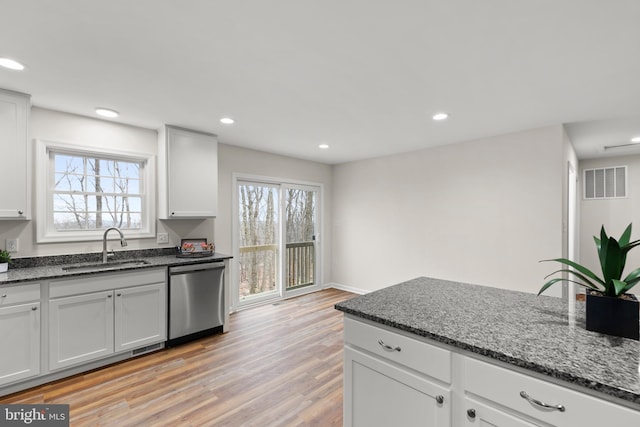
(470, 206)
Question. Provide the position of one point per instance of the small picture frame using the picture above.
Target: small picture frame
(193, 248)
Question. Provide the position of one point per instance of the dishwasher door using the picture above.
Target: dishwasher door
(196, 299)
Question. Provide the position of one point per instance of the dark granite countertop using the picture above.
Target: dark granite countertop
(51, 267)
(525, 330)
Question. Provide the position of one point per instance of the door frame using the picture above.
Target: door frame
(234, 299)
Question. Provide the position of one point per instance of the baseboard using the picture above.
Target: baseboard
(347, 288)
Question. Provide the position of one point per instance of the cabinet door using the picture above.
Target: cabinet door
(193, 174)
(478, 414)
(14, 167)
(140, 316)
(378, 393)
(80, 329)
(20, 335)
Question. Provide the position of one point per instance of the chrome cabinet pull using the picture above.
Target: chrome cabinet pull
(34, 308)
(4, 295)
(530, 399)
(440, 399)
(388, 347)
(471, 413)
(109, 296)
(20, 212)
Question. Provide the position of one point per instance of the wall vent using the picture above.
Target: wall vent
(605, 183)
(147, 349)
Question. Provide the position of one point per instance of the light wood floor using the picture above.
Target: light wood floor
(279, 365)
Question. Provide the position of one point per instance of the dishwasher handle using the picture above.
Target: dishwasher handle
(195, 267)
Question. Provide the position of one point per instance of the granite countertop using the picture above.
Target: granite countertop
(529, 331)
(51, 267)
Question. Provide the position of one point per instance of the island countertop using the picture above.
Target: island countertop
(525, 330)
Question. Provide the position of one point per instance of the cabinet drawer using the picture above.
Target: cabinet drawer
(106, 281)
(504, 386)
(18, 294)
(413, 353)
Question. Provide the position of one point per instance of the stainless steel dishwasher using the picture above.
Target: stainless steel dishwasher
(196, 301)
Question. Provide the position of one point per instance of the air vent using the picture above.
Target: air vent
(147, 349)
(605, 183)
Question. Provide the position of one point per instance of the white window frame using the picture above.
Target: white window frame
(604, 168)
(45, 230)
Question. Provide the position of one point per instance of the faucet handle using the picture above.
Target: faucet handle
(111, 253)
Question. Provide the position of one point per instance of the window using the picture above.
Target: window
(605, 183)
(81, 193)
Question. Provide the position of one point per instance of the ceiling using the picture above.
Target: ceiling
(364, 76)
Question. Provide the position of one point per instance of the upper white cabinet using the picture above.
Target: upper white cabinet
(15, 164)
(187, 173)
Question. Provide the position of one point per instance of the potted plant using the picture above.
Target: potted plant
(610, 309)
(5, 259)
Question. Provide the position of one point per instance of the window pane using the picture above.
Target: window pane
(589, 183)
(599, 182)
(67, 163)
(118, 201)
(621, 189)
(609, 182)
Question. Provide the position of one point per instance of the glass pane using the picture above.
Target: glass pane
(589, 184)
(66, 163)
(609, 182)
(300, 244)
(105, 168)
(621, 185)
(258, 220)
(106, 184)
(68, 182)
(134, 204)
(127, 169)
(599, 182)
(73, 221)
(69, 202)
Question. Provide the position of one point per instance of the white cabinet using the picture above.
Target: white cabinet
(80, 329)
(140, 316)
(394, 380)
(127, 311)
(19, 332)
(508, 395)
(187, 173)
(378, 393)
(15, 164)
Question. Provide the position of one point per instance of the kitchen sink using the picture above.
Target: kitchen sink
(111, 265)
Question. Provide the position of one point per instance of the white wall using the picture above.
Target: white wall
(483, 211)
(232, 159)
(614, 214)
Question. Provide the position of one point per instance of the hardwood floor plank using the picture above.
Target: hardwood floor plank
(280, 365)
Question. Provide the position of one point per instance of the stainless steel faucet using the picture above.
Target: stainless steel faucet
(123, 242)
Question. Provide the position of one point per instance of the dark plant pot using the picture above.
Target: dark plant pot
(613, 316)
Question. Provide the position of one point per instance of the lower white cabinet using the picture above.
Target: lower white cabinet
(20, 338)
(394, 379)
(80, 329)
(140, 316)
(378, 393)
(89, 326)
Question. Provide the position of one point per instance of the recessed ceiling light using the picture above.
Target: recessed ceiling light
(323, 146)
(11, 64)
(440, 116)
(635, 139)
(107, 112)
(227, 120)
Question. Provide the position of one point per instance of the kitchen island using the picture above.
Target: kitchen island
(483, 334)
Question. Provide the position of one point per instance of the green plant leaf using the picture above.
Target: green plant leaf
(626, 237)
(580, 268)
(619, 286)
(559, 279)
(613, 263)
(586, 282)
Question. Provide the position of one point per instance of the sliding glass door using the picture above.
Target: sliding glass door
(277, 235)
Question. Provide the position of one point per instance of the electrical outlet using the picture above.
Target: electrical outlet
(11, 245)
(163, 238)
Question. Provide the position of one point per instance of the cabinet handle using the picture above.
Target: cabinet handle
(440, 399)
(4, 295)
(109, 296)
(471, 413)
(173, 213)
(119, 295)
(388, 347)
(34, 308)
(20, 212)
(530, 399)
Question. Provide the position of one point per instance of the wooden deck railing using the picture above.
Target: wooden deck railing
(299, 262)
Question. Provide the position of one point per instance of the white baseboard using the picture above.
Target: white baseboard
(347, 288)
